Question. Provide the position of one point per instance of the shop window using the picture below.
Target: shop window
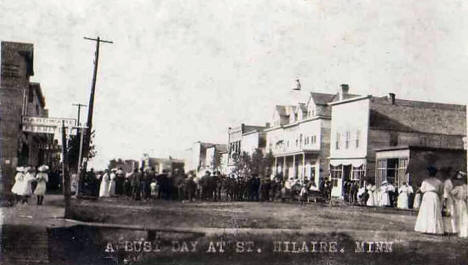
(358, 173)
(336, 174)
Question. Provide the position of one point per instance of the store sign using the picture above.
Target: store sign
(48, 125)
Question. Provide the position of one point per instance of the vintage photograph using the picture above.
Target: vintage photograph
(233, 132)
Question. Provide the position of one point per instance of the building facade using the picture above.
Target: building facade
(204, 156)
(375, 138)
(244, 138)
(19, 97)
(300, 137)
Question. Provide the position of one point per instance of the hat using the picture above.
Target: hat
(43, 168)
(384, 182)
(20, 169)
(460, 174)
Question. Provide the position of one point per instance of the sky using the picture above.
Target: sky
(182, 71)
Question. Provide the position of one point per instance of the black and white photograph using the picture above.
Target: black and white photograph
(233, 132)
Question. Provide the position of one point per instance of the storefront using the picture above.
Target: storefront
(342, 170)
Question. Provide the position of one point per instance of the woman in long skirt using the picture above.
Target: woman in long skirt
(25, 189)
(371, 192)
(104, 187)
(112, 178)
(460, 196)
(16, 189)
(450, 221)
(417, 199)
(403, 195)
(42, 178)
(429, 218)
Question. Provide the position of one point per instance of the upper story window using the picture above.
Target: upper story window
(337, 142)
(358, 136)
(348, 136)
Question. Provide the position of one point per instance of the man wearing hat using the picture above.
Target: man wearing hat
(42, 178)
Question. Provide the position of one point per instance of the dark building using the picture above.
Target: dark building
(19, 97)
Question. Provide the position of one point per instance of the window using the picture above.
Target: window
(358, 173)
(402, 176)
(348, 135)
(393, 139)
(337, 143)
(358, 136)
(335, 174)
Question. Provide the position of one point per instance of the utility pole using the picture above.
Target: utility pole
(65, 176)
(89, 123)
(79, 111)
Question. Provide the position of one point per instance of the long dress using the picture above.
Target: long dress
(450, 222)
(25, 189)
(384, 196)
(42, 179)
(104, 188)
(460, 195)
(403, 195)
(19, 178)
(371, 199)
(429, 218)
(112, 184)
(417, 200)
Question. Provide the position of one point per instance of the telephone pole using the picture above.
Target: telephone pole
(79, 111)
(89, 122)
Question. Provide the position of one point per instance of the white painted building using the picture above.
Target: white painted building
(299, 138)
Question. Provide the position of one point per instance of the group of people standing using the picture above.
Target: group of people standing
(443, 208)
(28, 182)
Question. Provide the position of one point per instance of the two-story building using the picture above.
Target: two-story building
(385, 138)
(245, 138)
(19, 97)
(299, 138)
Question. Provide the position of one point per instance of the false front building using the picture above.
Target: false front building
(384, 138)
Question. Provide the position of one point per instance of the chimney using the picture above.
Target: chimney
(392, 98)
(343, 91)
(267, 125)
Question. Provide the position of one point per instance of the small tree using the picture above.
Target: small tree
(242, 164)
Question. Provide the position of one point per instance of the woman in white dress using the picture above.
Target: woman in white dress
(460, 196)
(25, 189)
(104, 188)
(371, 193)
(42, 178)
(403, 194)
(16, 189)
(112, 178)
(450, 221)
(384, 196)
(417, 199)
(429, 218)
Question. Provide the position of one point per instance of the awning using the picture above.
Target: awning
(355, 162)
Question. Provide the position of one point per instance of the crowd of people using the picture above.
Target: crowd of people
(30, 181)
(442, 205)
(443, 209)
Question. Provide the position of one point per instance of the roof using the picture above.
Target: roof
(417, 116)
(222, 148)
(284, 110)
(322, 98)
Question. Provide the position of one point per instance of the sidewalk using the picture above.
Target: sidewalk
(24, 238)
